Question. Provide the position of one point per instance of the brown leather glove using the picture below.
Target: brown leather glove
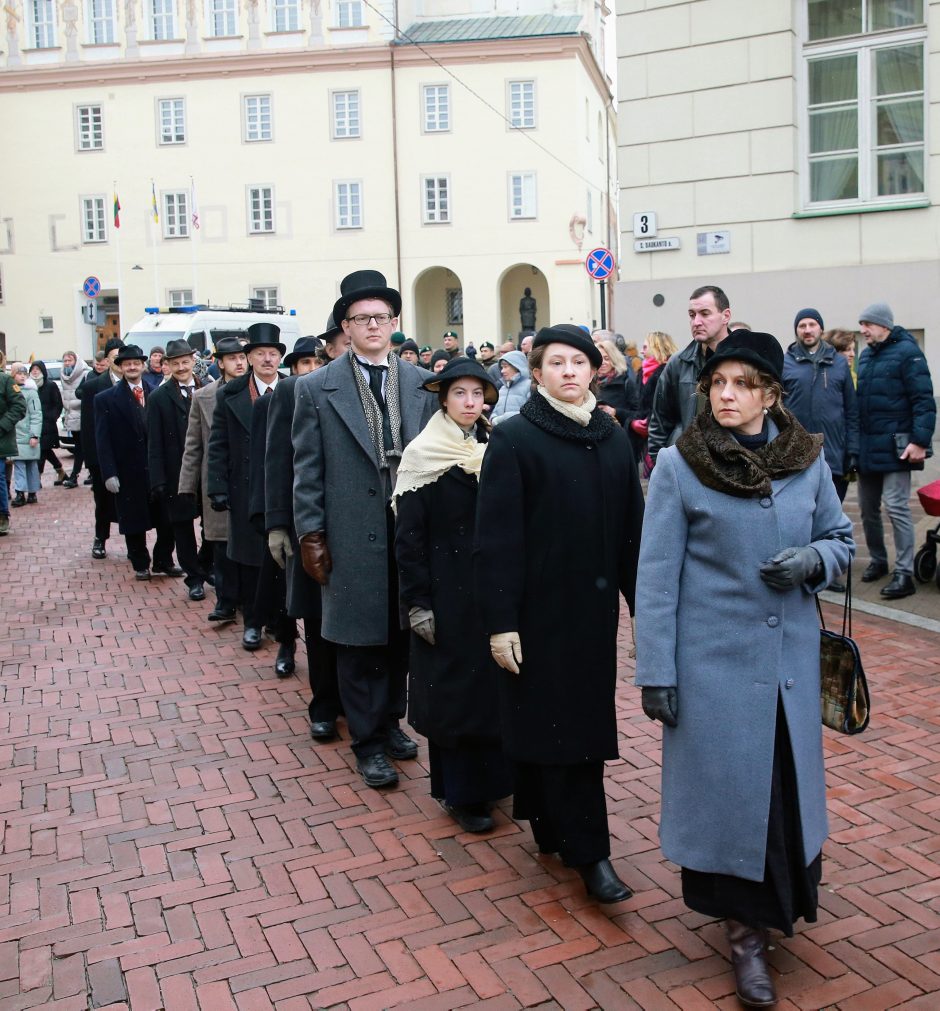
(316, 557)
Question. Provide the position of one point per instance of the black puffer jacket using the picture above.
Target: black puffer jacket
(895, 396)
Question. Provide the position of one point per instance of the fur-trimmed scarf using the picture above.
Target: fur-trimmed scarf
(540, 412)
(721, 462)
(373, 411)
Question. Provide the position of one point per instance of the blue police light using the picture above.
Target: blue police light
(152, 309)
(293, 312)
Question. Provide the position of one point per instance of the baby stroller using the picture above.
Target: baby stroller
(925, 561)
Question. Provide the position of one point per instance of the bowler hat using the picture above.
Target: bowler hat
(129, 352)
(459, 368)
(306, 347)
(362, 284)
(264, 335)
(762, 350)
(229, 346)
(574, 336)
(177, 349)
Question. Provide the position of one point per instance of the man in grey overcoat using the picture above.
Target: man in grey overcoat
(352, 420)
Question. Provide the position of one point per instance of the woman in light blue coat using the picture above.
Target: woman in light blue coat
(28, 432)
(743, 526)
(514, 368)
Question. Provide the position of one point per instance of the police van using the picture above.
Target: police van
(201, 325)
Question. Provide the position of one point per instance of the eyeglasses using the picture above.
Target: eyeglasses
(381, 318)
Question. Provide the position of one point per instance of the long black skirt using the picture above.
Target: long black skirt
(789, 890)
(473, 773)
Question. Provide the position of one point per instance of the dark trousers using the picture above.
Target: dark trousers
(49, 454)
(105, 513)
(162, 549)
(567, 809)
(321, 663)
(372, 688)
(271, 600)
(246, 591)
(78, 458)
(841, 486)
(226, 576)
(184, 536)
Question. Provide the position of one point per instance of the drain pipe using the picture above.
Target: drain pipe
(391, 50)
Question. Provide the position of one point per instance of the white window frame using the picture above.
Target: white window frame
(525, 212)
(268, 292)
(435, 113)
(285, 15)
(42, 23)
(89, 127)
(261, 209)
(176, 297)
(348, 13)
(340, 115)
(171, 121)
(94, 214)
(436, 200)
(101, 22)
(255, 131)
(523, 121)
(175, 212)
(347, 190)
(46, 323)
(864, 47)
(221, 18)
(161, 20)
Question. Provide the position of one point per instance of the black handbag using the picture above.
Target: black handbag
(843, 688)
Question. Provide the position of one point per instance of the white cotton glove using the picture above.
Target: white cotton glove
(113, 485)
(507, 650)
(422, 623)
(279, 546)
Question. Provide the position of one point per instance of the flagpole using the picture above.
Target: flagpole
(117, 250)
(155, 221)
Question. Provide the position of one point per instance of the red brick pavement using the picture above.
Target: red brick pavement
(171, 838)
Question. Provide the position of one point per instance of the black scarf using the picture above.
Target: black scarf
(721, 462)
(541, 413)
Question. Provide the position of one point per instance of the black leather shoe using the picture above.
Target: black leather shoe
(197, 592)
(143, 575)
(88, 480)
(602, 882)
(252, 638)
(168, 570)
(836, 586)
(399, 745)
(901, 585)
(376, 770)
(222, 615)
(323, 730)
(753, 985)
(97, 549)
(31, 499)
(873, 571)
(19, 499)
(469, 818)
(70, 482)
(284, 664)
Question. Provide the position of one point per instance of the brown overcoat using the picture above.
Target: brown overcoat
(195, 469)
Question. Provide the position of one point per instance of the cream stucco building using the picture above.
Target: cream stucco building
(790, 150)
(468, 156)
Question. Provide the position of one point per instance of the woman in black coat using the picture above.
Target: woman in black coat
(658, 348)
(616, 388)
(50, 398)
(452, 690)
(557, 541)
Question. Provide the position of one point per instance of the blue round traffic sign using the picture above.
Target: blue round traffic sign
(91, 286)
(599, 263)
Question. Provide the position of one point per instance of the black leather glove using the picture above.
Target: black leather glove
(219, 503)
(851, 464)
(792, 567)
(661, 704)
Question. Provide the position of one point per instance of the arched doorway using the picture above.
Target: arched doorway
(512, 288)
(438, 302)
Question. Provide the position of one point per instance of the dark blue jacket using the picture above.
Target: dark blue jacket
(895, 396)
(821, 394)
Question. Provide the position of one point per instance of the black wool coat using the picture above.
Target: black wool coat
(230, 468)
(557, 541)
(452, 688)
(50, 399)
(620, 393)
(86, 393)
(167, 419)
(121, 439)
(303, 593)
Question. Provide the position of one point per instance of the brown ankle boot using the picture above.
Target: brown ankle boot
(752, 980)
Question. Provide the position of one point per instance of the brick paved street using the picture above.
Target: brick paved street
(171, 838)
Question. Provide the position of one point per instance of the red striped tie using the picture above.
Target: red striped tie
(139, 394)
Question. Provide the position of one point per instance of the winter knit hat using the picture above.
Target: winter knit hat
(879, 313)
(808, 314)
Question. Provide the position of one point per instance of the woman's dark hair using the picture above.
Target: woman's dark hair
(755, 379)
(482, 425)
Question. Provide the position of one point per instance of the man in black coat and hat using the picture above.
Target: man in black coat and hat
(167, 418)
(230, 467)
(121, 443)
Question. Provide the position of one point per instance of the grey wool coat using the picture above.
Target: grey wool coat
(338, 491)
(708, 625)
(194, 473)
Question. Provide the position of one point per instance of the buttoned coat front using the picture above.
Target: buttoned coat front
(167, 424)
(338, 490)
(708, 625)
(121, 440)
(194, 472)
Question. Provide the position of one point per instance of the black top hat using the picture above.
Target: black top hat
(129, 352)
(574, 336)
(762, 350)
(177, 348)
(229, 346)
(306, 347)
(264, 335)
(362, 284)
(458, 368)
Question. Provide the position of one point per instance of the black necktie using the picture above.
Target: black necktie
(266, 392)
(375, 385)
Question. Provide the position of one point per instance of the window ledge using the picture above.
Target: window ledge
(286, 31)
(829, 212)
(220, 38)
(43, 49)
(159, 42)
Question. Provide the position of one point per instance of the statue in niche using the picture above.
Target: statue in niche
(527, 309)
